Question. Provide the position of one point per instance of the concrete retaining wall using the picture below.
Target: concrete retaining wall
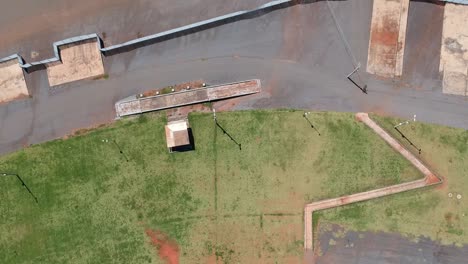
(168, 34)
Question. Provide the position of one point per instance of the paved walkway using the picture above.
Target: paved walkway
(429, 179)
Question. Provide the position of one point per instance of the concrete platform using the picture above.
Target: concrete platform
(384, 248)
(12, 83)
(454, 51)
(134, 105)
(79, 61)
(387, 37)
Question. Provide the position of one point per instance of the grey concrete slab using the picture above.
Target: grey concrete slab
(422, 50)
(384, 248)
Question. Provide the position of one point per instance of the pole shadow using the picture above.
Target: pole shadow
(310, 123)
(407, 139)
(22, 183)
(227, 134)
(120, 150)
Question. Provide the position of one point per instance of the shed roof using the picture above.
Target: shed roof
(177, 134)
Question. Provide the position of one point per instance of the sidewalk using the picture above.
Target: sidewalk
(428, 180)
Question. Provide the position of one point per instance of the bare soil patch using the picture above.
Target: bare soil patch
(167, 249)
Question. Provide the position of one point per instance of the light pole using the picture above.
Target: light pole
(401, 133)
(22, 182)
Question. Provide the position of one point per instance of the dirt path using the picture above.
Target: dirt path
(429, 179)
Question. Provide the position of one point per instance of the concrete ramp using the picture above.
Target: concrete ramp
(454, 51)
(387, 37)
(81, 60)
(12, 83)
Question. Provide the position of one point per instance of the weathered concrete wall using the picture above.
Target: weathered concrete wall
(454, 51)
(387, 37)
(66, 72)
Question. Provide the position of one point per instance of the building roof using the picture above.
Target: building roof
(177, 134)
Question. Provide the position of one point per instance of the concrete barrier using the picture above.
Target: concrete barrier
(168, 34)
(151, 39)
(136, 105)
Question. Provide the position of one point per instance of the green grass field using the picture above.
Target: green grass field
(427, 212)
(217, 202)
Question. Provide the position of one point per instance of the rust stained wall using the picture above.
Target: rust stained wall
(387, 37)
(454, 50)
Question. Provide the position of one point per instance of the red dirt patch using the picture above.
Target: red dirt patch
(385, 37)
(168, 250)
(358, 118)
(443, 185)
(211, 259)
(83, 131)
(431, 179)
